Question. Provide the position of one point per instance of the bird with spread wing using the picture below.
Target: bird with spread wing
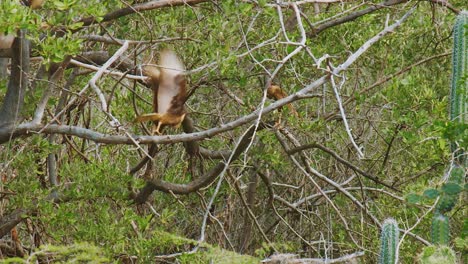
(169, 92)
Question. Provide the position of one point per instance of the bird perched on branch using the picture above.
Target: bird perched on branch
(169, 92)
(276, 93)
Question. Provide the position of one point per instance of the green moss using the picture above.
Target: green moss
(165, 243)
(75, 253)
(437, 255)
(217, 255)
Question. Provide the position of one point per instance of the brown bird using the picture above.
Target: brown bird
(34, 4)
(169, 92)
(276, 93)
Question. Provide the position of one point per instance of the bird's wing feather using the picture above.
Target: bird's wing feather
(169, 87)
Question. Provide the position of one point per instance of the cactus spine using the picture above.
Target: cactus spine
(440, 230)
(459, 87)
(389, 242)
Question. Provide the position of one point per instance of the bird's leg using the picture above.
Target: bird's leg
(278, 124)
(156, 129)
(155, 117)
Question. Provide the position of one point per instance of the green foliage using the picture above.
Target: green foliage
(461, 242)
(43, 29)
(389, 242)
(164, 243)
(455, 132)
(440, 230)
(14, 16)
(66, 11)
(54, 49)
(437, 255)
(450, 190)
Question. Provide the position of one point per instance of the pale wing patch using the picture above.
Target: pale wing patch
(167, 90)
(170, 67)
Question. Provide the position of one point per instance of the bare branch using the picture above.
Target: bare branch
(101, 71)
(341, 160)
(53, 81)
(354, 15)
(343, 115)
(109, 72)
(155, 4)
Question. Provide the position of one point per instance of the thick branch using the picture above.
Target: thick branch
(14, 98)
(353, 16)
(27, 128)
(139, 8)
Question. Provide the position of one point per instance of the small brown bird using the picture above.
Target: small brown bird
(34, 4)
(276, 93)
(169, 92)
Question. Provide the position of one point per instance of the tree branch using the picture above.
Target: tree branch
(342, 161)
(26, 128)
(11, 220)
(138, 8)
(14, 98)
(209, 177)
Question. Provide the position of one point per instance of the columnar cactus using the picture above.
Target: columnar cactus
(459, 88)
(389, 242)
(441, 254)
(440, 230)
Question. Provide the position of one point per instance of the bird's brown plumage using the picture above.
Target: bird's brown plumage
(169, 91)
(276, 93)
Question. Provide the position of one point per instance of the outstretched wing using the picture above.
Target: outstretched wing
(171, 91)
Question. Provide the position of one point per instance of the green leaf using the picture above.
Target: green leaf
(76, 25)
(452, 188)
(442, 143)
(413, 198)
(431, 193)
